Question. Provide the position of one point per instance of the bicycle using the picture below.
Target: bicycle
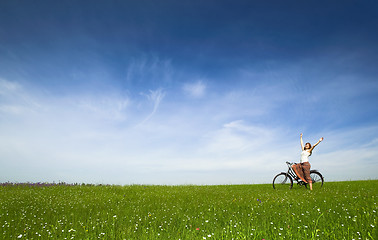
(284, 180)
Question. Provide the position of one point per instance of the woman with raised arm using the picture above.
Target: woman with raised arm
(303, 169)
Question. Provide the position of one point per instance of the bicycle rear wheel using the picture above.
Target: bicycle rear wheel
(317, 179)
(282, 181)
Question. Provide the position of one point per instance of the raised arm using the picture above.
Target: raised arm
(321, 139)
(302, 146)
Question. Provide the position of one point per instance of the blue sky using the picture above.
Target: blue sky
(186, 92)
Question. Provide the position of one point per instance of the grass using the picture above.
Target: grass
(340, 210)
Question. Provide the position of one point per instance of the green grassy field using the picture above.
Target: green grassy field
(340, 210)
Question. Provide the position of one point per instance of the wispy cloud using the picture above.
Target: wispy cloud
(15, 99)
(155, 97)
(196, 89)
(149, 69)
(348, 154)
(186, 142)
(237, 137)
(122, 101)
(104, 106)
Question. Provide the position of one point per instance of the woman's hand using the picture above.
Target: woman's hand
(321, 139)
(301, 134)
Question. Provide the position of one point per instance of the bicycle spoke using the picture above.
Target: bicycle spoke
(282, 181)
(285, 180)
(317, 180)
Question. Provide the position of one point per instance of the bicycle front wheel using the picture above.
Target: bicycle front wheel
(282, 181)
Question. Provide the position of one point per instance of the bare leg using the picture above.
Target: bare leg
(310, 183)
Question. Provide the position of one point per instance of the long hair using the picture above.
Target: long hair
(308, 148)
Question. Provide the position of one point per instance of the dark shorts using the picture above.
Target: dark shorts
(303, 171)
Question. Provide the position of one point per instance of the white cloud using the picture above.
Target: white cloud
(8, 86)
(155, 97)
(237, 136)
(196, 89)
(113, 107)
(94, 138)
(14, 99)
(149, 69)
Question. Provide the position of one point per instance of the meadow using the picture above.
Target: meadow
(340, 210)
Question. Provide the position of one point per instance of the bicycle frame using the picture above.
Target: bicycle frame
(291, 173)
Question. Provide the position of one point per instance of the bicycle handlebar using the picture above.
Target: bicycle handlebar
(290, 163)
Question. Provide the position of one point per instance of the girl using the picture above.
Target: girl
(303, 169)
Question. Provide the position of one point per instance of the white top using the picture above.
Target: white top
(304, 156)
